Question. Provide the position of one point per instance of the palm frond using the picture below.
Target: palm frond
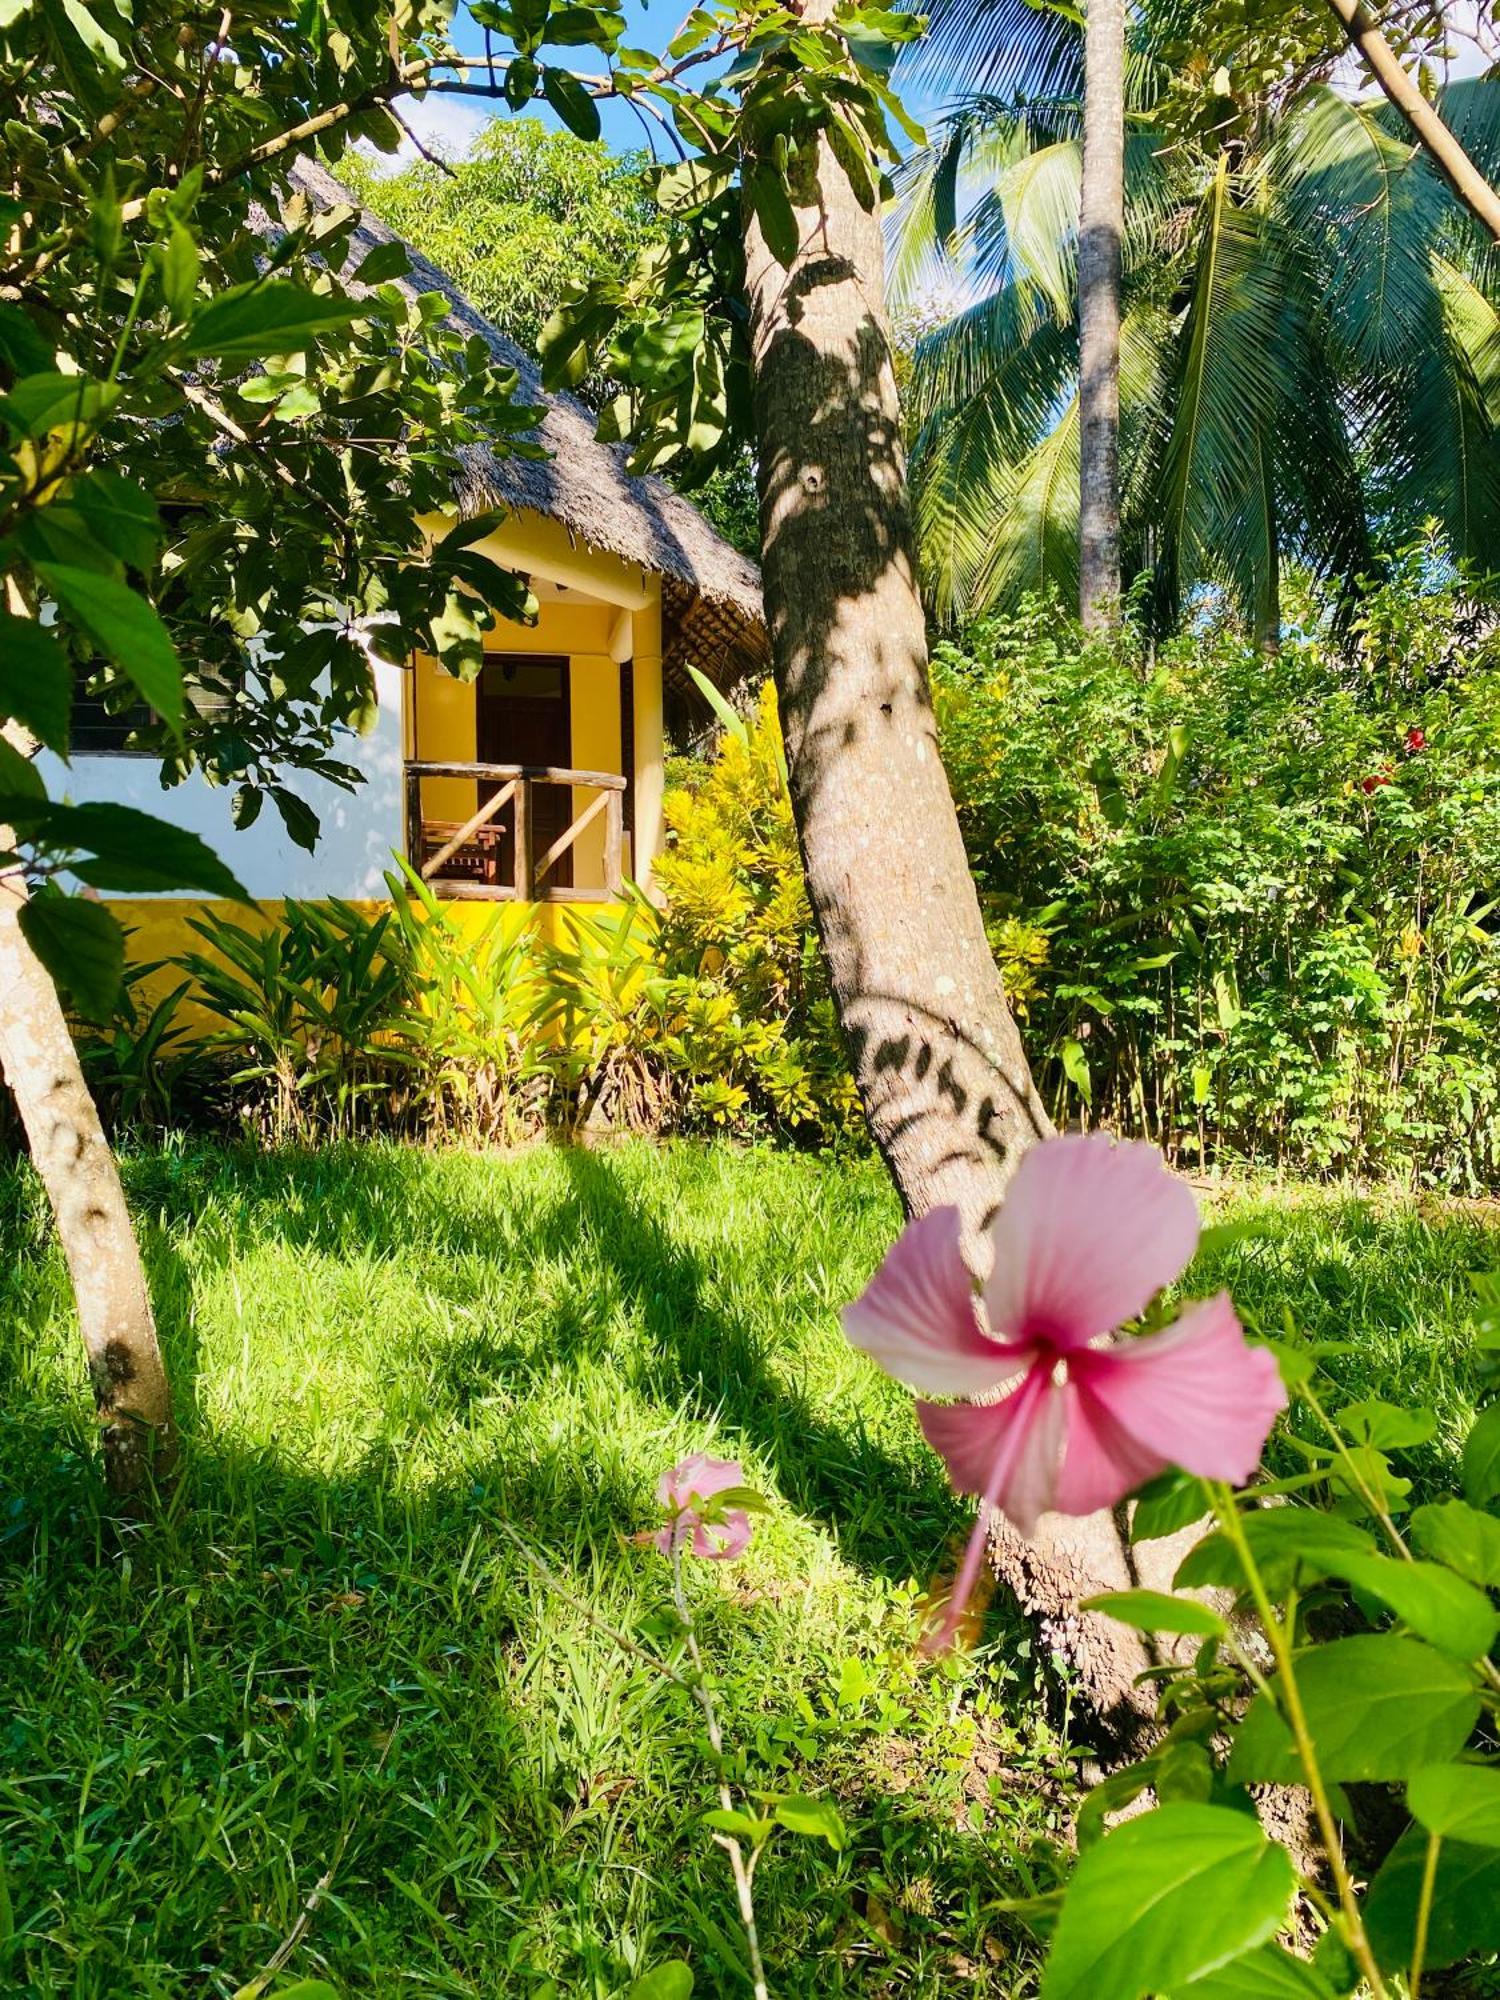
(1216, 495)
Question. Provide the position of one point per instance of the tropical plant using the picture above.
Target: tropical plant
(1265, 889)
(1308, 339)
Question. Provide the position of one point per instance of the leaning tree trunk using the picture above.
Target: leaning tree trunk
(1424, 118)
(69, 1151)
(1101, 225)
(935, 1052)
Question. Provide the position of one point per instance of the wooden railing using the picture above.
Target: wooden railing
(474, 849)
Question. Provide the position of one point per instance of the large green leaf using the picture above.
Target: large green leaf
(36, 682)
(1165, 1899)
(1465, 1914)
(1437, 1605)
(1481, 1465)
(128, 849)
(1462, 1537)
(81, 945)
(1377, 1706)
(1286, 1542)
(271, 316)
(125, 628)
(1267, 1974)
(1458, 1801)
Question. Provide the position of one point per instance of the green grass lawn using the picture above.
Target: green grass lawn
(329, 1665)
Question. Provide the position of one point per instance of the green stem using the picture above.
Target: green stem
(1229, 1520)
(1424, 1913)
(743, 1871)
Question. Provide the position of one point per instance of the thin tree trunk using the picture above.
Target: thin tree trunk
(935, 1052)
(72, 1156)
(1101, 226)
(1460, 172)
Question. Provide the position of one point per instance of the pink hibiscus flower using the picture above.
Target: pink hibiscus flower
(720, 1533)
(1088, 1234)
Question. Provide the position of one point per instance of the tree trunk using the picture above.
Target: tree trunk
(72, 1156)
(1100, 229)
(934, 1050)
(1452, 162)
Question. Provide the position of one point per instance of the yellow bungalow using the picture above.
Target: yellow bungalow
(541, 780)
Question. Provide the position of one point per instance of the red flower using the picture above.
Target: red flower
(1375, 780)
(1416, 739)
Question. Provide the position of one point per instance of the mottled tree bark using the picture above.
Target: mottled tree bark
(935, 1052)
(72, 1156)
(1100, 229)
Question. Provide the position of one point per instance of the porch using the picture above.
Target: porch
(496, 855)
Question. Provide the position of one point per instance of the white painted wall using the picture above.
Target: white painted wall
(360, 829)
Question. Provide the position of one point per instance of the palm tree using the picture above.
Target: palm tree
(1307, 341)
(1101, 226)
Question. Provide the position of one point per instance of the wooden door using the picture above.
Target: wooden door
(525, 717)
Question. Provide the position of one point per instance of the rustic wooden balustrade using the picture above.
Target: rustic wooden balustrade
(516, 783)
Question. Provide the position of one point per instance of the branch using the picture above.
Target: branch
(1457, 169)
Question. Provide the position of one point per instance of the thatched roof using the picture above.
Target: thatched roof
(711, 600)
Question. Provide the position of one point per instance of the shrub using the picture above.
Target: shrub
(1265, 886)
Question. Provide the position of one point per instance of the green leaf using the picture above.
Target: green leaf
(1267, 1974)
(264, 317)
(36, 682)
(384, 262)
(774, 212)
(728, 718)
(1386, 1426)
(1156, 1611)
(672, 1980)
(121, 514)
(1076, 1068)
(1465, 1915)
(83, 948)
(1163, 1900)
(1437, 1605)
(1173, 1502)
(136, 850)
(1378, 1707)
(1462, 1537)
(125, 628)
(741, 1825)
(1285, 1541)
(818, 1818)
(572, 102)
(1458, 1801)
(297, 816)
(42, 403)
(1481, 1462)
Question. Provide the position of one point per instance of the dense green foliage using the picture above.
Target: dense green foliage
(711, 1012)
(1266, 886)
(328, 1657)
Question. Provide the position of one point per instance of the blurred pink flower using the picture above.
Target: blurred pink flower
(1088, 1234)
(682, 1492)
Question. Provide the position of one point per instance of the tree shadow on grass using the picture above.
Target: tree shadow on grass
(889, 1514)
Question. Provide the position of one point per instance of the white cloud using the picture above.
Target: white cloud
(447, 126)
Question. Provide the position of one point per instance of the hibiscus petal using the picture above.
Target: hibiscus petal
(1101, 1461)
(722, 1541)
(919, 1318)
(1005, 1451)
(1197, 1395)
(1087, 1235)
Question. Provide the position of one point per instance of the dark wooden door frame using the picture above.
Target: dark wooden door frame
(552, 805)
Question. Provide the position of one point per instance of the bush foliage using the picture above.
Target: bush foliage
(1251, 899)
(709, 1013)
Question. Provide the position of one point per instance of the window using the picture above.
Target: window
(98, 731)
